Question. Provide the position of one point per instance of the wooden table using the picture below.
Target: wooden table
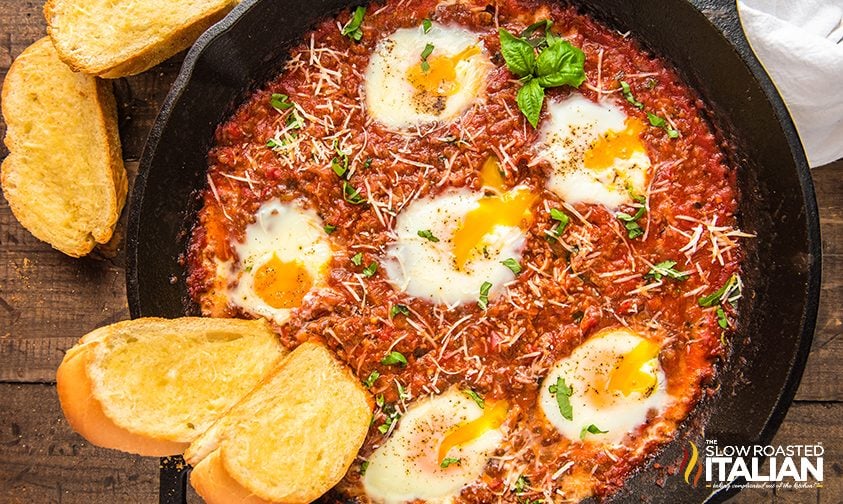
(48, 300)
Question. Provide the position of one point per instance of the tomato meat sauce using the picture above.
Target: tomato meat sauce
(662, 274)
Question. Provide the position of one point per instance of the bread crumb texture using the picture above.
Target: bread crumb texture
(64, 176)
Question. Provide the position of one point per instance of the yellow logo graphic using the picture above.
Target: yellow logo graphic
(691, 462)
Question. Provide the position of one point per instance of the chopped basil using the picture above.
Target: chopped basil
(398, 309)
(425, 233)
(426, 25)
(357, 259)
(449, 461)
(352, 195)
(660, 122)
(280, 101)
(339, 163)
(726, 291)
(561, 218)
(722, 321)
(379, 400)
(591, 429)
(521, 484)
(329, 228)
(402, 393)
(563, 397)
(294, 121)
(370, 270)
(483, 301)
(665, 269)
(373, 377)
(513, 265)
(475, 397)
(392, 415)
(363, 466)
(428, 50)
(633, 229)
(558, 63)
(627, 93)
(394, 358)
(352, 28)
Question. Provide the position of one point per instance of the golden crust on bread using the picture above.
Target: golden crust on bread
(291, 439)
(64, 176)
(137, 35)
(151, 386)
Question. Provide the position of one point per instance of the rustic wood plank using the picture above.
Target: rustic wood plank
(44, 461)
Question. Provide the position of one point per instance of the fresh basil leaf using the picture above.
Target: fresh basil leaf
(627, 93)
(352, 195)
(352, 28)
(521, 484)
(560, 217)
(394, 358)
(483, 300)
(426, 25)
(280, 101)
(726, 291)
(540, 40)
(512, 264)
(530, 99)
(477, 398)
(363, 467)
(428, 50)
(427, 234)
(370, 270)
(357, 259)
(373, 377)
(519, 55)
(398, 309)
(665, 269)
(560, 64)
(563, 394)
(449, 461)
(722, 321)
(329, 228)
(660, 122)
(591, 429)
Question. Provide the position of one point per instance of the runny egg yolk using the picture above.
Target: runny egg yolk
(493, 416)
(439, 76)
(282, 284)
(491, 176)
(636, 372)
(615, 145)
(511, 208)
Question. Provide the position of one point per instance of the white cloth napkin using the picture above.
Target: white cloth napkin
(800, 44)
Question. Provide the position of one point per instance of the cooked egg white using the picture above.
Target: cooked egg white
(450, 430)
(470, 235)
(614, 379)
(402, 91)
(284, 257)
(595, 151)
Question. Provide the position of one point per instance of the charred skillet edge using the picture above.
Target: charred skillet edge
(723, 15)
(139, 189)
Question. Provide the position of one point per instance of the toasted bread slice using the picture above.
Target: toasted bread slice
(290, 440)
(151, 386)
(64, 176)
(115, 39)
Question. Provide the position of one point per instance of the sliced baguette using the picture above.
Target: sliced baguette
(151, 386)
(115, 39)
(290, 440)
(64, 176)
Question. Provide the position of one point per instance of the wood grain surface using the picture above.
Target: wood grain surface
(48, 300)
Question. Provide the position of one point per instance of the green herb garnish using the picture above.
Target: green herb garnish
(563, 397)
(394, 358)
(591, 429)
(561, 218)
(363, 466)
(352, 195)
(352, 28)
(373, 376)
(426, 25)
(627, 93)
(428, 50)
(726, 292)
(427, 234)
(483, 301)
(449, 461)
(660, 122)
(513, 265)
(475, 397)
(329, 228)
(357, 259)
(665, 269)
(558, 63)
(398, 309)
(633, 229)
(521, 484)
(294, 121)
(722, 321)
(280, 101)
(370, 270)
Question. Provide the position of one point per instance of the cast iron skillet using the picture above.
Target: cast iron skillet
(702, 38)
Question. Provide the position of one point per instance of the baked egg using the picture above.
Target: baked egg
(606, 388)
(450, 247)
(595, 152)
(418, 75)
(284, 256)
(441, 445)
